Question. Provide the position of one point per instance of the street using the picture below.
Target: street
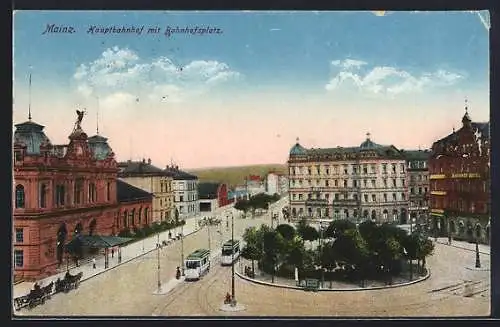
(128, 289)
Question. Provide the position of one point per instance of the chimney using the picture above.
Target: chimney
(149, 161)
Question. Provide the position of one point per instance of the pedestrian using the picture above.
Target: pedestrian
(93, 262)
(112, 253)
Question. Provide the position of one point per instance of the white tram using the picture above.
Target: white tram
(230, 252)
(197, 264)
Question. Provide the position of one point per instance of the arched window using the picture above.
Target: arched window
(139, 216)
(125, 222)
(20, 196)
(132, 217)
(346, 213)
(374, 214)
(365, 214)
(146, 215)
(43, 196)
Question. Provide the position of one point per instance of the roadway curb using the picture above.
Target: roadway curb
(460, 247)
(335, 289)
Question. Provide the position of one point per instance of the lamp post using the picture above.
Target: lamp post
(208, 231)
(478, 260)
(321, 252)
(158, 261)
(233, 296)
(182, 250)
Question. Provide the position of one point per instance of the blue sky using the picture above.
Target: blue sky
(273, 64)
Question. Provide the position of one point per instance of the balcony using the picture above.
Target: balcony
(316, 202)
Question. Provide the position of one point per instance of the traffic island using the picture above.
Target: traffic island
(313, 285)
(228, 307)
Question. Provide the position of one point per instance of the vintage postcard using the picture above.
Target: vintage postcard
(251, 163)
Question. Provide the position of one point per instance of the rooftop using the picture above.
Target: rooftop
(128, 193)
(208, 190)
(178, 174)
(140, 168)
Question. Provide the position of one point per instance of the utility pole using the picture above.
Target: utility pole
(158, 259)
(182, 249)
(233, 296)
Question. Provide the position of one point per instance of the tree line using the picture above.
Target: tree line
(258, 201)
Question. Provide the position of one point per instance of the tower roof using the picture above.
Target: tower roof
(99, 147)
(31, 135)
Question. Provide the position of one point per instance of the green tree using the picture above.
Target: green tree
(253, 245)
(287, 231)
(242, 205)
(338, 227)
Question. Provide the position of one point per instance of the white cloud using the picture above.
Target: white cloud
(385, 80)
(122, 70)
(117, 101)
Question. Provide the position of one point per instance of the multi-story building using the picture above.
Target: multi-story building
(364, 182)
(272, 183)
(185, 187)
(60, 192)
(135, 207)
(418, 184)
(459, 169)
(144, 175)
(276, 183)
(254, 185)
(212, 196)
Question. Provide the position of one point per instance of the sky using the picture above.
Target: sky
(207, 89)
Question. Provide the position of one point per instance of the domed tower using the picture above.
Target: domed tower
(368, 144)
(298, 150)
(100, 147)
(29, 137)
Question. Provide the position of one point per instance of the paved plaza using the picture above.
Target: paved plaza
(129, 289)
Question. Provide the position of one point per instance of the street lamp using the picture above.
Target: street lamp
(182, 249)
(320, 253)
(478, 260)
(158, 260)
(233, 296)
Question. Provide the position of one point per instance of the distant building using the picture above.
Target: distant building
(459, 169)
(255, 184)
(135, 207)
(368, 181)
(60, 192)
(237, 194)
(212, 196)
(276, 183)
(185, 187)
(418, 184)
(144, 175)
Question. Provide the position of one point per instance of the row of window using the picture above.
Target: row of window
(165, 203)
(417, 164)
(190, 208)
(459, 205)
(165, 186)
(60, 195)
(348, 196)
(185, 186)
(421, 203)
(190, 197)
(128, 217)
(460, 185)
(346, 213)
(465, 167)
(419, 178)
(347, 169)
(347, 183)
(420, 190)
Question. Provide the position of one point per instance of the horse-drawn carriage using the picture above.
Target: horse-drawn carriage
(68, 283)
(36, 296)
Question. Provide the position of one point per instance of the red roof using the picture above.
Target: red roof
(254, 178)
